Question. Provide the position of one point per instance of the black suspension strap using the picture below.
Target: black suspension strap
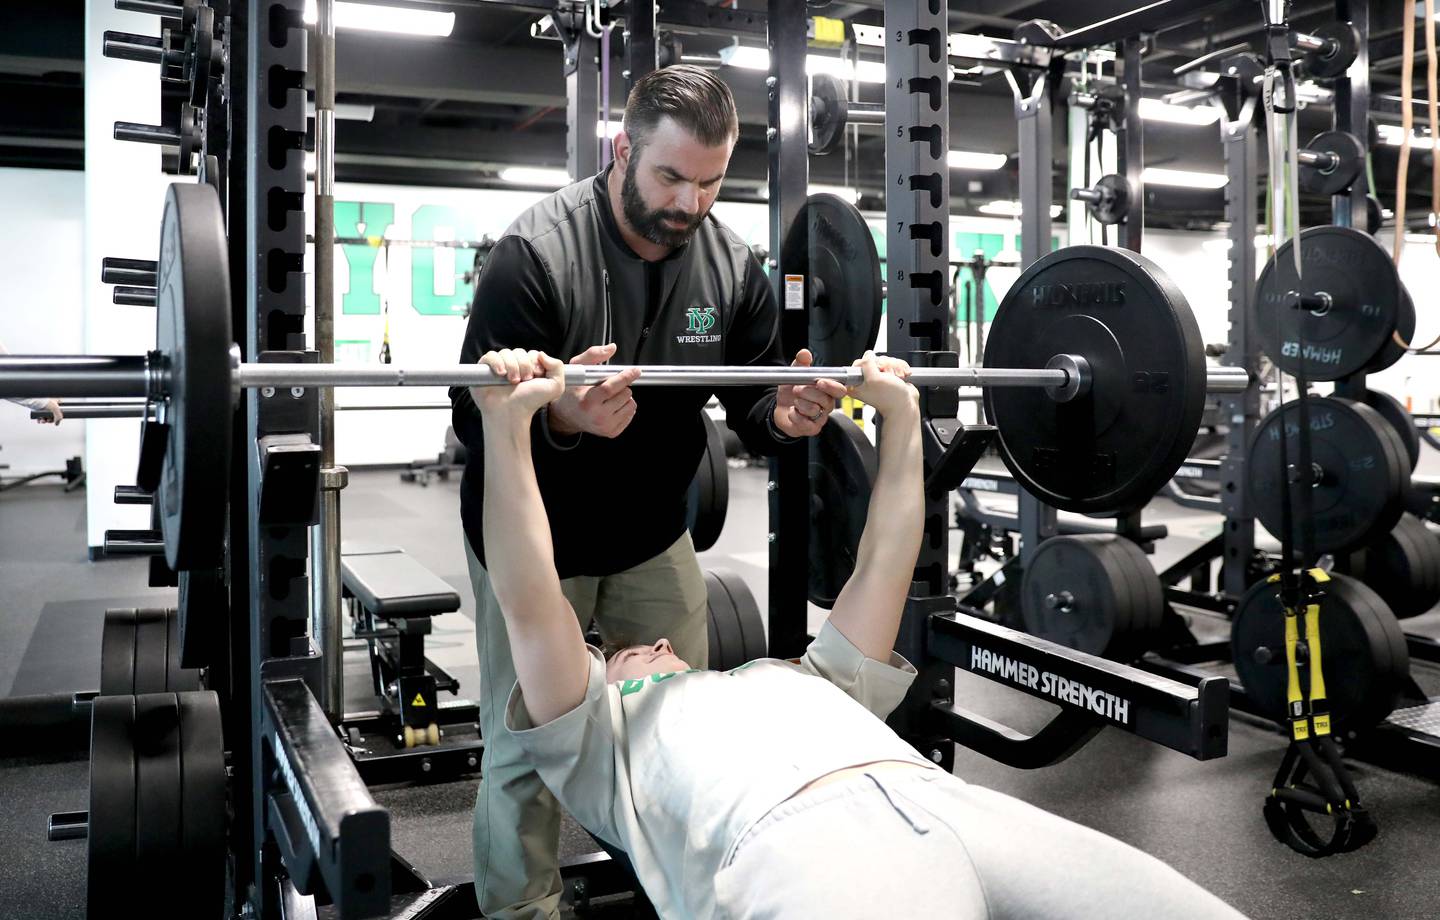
(1312, 779)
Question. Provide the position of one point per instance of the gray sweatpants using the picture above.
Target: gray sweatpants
(926, 844)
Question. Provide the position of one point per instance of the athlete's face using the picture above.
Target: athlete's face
(640, 661)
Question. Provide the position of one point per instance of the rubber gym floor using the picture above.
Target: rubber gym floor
(1202, 818)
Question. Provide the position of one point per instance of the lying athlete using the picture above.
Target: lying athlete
(776, 789)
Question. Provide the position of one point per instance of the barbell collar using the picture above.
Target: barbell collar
(1318, 303)
(1322, 161)
(1078, 377)
(1307, 42)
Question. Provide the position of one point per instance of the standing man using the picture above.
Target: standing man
(627, 267)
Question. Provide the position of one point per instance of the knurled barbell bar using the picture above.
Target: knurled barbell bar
(1064, 378)
(1094, 377)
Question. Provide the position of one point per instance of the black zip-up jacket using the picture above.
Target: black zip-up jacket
(562, 279)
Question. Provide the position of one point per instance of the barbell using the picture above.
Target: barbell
(1066, 376)
(1094, 377)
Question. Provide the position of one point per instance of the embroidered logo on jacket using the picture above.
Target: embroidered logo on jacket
(698, 323)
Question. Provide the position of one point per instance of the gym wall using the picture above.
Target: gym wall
(41, 310)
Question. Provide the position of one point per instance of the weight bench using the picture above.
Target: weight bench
(392, 598)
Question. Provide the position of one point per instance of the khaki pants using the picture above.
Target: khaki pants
(517, 821)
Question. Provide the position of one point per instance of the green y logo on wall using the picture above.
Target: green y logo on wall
(370, 220)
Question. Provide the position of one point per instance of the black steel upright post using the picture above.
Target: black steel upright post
(917, 246)
(1132, 147)
(582, 105)
(274, 169)
(1240, 411)
(229, 679)
(1352, 111)
(787, 91)
(1032, 92)
(639, 40)
(917, 211)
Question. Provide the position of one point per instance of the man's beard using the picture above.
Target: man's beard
(651, 224)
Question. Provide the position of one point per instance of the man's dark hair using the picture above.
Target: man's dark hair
(695, 98)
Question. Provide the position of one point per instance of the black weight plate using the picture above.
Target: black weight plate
(1399, 419)
(722, 626)
(152, 650)
(1149, 609)
(161, 575)
(199, 54)
(193, 333)
(1085, 566)
(843, 464)
(748, 625)
(1430, 554)
(1131, 618)
(713, 641)
(1402, 566)
(200, 879)
(1426, 551)
(1392, 350)
(110, 838)
(1129, 593)
(1113, 448)
(836, 253)
(1347, 44)
(709, 495)
(117, 652)
(1356, 272)
(1115, 205)
(1359, 495)
(1350, 157)
(829, 111)
(201, 615)
(158, 800)
(1374, 214)
(1385, 631)
(1361, 681)
(178, 678)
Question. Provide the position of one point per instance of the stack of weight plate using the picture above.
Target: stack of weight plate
(1093, 592)
(1403, 566)
(157, 772)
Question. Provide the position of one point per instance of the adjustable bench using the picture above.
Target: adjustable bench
(391, 599)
